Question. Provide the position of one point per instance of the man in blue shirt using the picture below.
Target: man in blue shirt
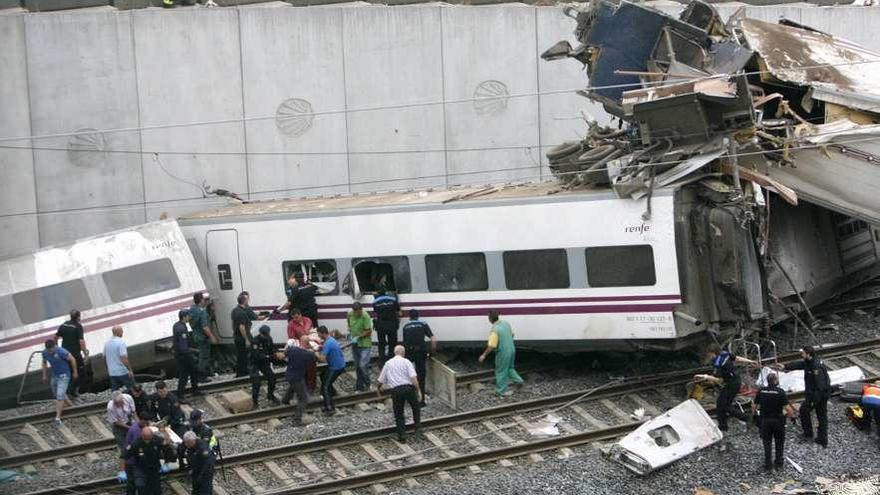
(63, 365)
(116, 355)
(332, 355)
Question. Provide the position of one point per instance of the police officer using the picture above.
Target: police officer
(165, 406)
(771, 405)
(262, 355)
(202, 335)
(142, 406)
(724, 373)
(414, 334)
(301, 295)
(242, 318)
(183, 355)
(386, 309)
(146, 455)
(200, 458)
(817, 391)
(198, 426)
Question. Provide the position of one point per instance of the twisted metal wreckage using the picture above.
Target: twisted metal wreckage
(723, 113)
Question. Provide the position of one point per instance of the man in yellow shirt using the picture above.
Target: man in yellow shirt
(360, 326)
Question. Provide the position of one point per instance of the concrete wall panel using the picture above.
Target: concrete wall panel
(81, 75)
(16, 166)
(392, 57)
(63, 226)
(189, 71)
(293, 66)
(562, 110)
(18, 235)
(490, 53)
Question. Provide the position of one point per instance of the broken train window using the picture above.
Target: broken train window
(322, 273)
(456, 272)
(389, 272)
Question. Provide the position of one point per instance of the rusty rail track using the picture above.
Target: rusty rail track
(356, 478)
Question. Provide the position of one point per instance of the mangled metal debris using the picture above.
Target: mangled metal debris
(673, 435)
(698, 98)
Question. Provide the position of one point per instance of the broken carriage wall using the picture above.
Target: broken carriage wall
(105, 69)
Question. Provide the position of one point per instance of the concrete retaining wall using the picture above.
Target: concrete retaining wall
(257, 70)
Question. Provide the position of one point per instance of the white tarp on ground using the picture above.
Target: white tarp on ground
(677, 433)
(793, 381)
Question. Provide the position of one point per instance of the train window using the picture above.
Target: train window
(456, 272)
(389, 272)
(536, 269)
(620, 266)
(140, 280)
(322, 273)
(51, 301)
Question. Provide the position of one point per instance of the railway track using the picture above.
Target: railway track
(468, 440)
(87, 422)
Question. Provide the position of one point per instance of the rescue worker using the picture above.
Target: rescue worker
(871, 404)
(262, 356)
(183, 355)
(146, 455)
(414, 334)
(301, 295)
(200, 458)
(501, 342)
(386, 309)
(771, 407)
(817, 391)
(331, 353)
(165, 407)
(198, 426)
(360, 326)
(724, 373)
(242, 318)
(398, 376)
(142, 405)
(73, 341)
(298, 361)
(202, 335)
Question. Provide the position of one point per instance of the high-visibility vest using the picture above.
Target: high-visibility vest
(871, 395)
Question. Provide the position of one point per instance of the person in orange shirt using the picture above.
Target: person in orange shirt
(299, 326)
(871, 403)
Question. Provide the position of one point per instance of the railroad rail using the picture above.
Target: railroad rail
(374, 457)
(94, 412)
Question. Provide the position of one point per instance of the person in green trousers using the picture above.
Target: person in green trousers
(501, 342)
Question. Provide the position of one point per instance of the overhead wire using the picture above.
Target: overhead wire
(175, 202)
(640, 84)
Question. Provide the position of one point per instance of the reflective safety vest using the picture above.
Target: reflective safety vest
(871, 395)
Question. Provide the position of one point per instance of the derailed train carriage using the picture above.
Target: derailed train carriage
(655, 234)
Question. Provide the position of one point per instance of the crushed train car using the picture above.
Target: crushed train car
(725, 113)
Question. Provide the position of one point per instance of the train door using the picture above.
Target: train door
(222, 259)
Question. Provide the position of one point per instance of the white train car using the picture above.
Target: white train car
(138, 278)
(567, 268)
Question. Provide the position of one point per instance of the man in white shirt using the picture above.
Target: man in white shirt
(399, 377)
(121, 414)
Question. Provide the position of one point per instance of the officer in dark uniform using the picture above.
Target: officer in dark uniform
(817, 391)
(725, 374)
(181, 342)
(166, 407)
(73, 341)
(771, 405)
(386, 309)
(301, 295)
(242, 318)
(146, 455)
(200, 458)
(262, 355)
(414, 334)
(141, 402)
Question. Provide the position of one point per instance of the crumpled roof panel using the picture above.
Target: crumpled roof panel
(838, 70)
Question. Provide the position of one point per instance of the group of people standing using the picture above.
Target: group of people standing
(771, 405)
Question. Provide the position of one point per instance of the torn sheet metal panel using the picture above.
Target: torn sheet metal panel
(793, 381)
(839, 71)
(675, 434)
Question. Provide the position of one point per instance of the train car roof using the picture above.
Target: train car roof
(437, 197)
